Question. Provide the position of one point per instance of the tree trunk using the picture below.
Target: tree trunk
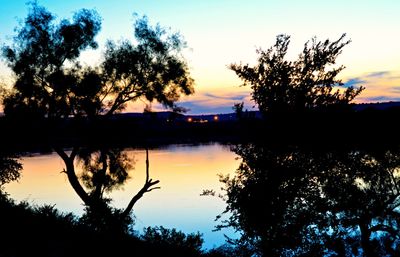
(72, 178)
(365, 239)
(97, 193)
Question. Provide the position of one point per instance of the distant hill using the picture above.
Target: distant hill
(377, 106)
(201, 118)
(166, 115)
(232, 116)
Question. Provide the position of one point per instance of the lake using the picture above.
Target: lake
(184, 172)
(288, 200)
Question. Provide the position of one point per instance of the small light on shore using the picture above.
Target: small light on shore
(189, 119)
(216, 118)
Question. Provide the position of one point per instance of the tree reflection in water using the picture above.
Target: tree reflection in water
(10, 168)
(312, 202)
(103, 169)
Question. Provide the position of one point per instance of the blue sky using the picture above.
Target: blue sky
(220, 32)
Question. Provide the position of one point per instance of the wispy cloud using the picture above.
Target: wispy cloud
(237, 97)
(201, 108)
(354, 82)
(220, 102)
(367, 78)
(379, 86)
(394, 77)
(383, 98)
(394, 89)
(378, 74)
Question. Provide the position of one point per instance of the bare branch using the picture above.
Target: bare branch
(147, 166)
(147, 187)
(153, 188)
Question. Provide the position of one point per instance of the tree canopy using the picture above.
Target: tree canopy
(51, 82)
(153, 69)
(40, 57)
(310, 82)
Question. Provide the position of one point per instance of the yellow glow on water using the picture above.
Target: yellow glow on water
(43, 182)
(188, 169)
(183, 173)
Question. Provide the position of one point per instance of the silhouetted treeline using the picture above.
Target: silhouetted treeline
(44, 231)
(378, 126)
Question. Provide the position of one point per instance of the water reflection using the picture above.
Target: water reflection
(183, 170)
(286, 200)
(104, 170)
(9, 168)
(291, 200)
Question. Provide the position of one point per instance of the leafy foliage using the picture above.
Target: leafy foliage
(172, 238)
(238, 109)
(104, 170)
(154, 68)
(44, 230)
(104, 219)
(39, 58)
(294, 201)
(9, 169)
(50, 82)
(279, 85)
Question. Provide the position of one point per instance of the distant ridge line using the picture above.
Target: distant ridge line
(356, 107)
(232, 115)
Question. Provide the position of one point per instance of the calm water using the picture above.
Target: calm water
(183, 170)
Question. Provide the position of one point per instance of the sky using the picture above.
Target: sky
(221, 32)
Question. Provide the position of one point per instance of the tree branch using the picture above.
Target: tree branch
(101, 176)
(123, 97)
(147, 187)
(74, 153)
(70, 170)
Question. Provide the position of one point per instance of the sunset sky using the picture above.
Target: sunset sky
(221, 32)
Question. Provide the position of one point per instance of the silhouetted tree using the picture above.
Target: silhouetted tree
(279, 85)
(238, 109)
(292, 201)
(153, 69)
(44, 61)
(50, 82)
(9, 169)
